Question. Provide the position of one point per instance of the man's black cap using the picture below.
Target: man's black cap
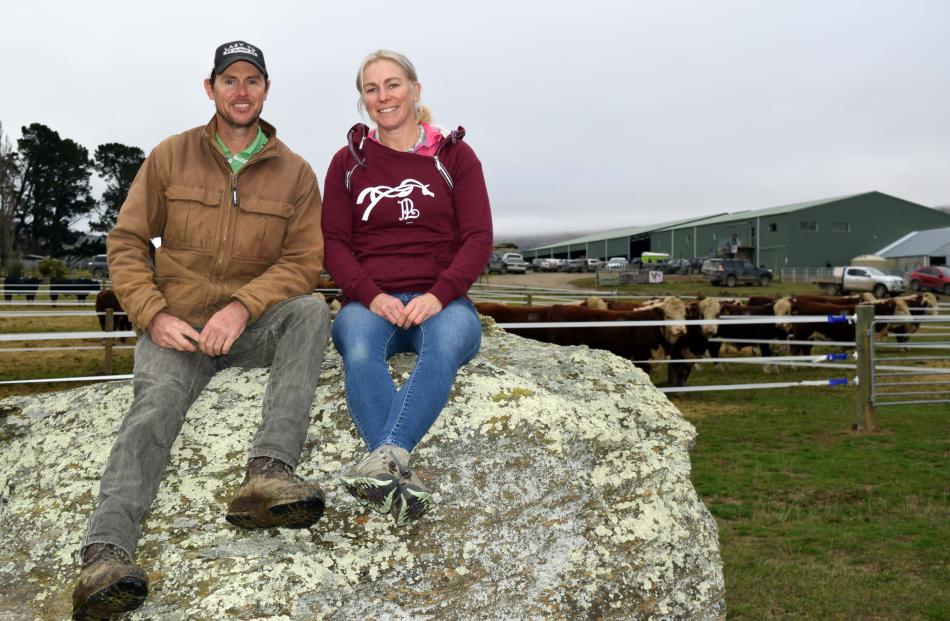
(234, 51)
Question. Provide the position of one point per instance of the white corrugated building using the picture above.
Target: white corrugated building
(930, 247)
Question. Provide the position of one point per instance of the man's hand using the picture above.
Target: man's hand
(171, 332)
(224, 327)
(389, 308)
(419, 309)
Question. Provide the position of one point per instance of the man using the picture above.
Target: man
(238, 215)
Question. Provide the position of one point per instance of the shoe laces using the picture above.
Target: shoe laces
(404, 471)
(275, 466)
(105, 552)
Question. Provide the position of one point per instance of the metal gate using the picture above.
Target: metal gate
(914, 369)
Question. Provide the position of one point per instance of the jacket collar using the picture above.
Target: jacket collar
(269, 130)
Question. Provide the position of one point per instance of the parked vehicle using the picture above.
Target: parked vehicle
(496, 265)
(594, 264)
(654, 257)
(551, 265)
(675, 266)
(98, 265)
(734, 271)
(514, 262)
(617, 264)
(574, 265)
(535, 264)
(853, 279)
(933, 277)
(31, 261)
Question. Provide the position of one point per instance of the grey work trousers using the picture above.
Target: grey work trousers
(290, 337)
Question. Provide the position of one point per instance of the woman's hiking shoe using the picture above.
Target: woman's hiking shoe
(374, 481)
(272, 496)
(108, 584)
(413, 500)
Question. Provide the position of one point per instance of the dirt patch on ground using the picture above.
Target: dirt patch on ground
(550, 280)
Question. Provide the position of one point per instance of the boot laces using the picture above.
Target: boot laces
(105, 552)
(277, 467)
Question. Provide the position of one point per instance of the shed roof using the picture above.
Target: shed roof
(772, 211)
(930, 243)
(624, 232)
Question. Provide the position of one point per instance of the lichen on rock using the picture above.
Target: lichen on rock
(561, 478)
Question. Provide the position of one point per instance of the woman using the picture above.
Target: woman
(407, 227)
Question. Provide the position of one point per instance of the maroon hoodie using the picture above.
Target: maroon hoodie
(395, 222)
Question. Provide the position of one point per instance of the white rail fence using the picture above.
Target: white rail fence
(872, 361)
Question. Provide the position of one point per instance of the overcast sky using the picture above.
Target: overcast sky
(586, 115)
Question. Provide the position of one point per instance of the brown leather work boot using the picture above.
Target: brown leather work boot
(273, 496)
(108, 584)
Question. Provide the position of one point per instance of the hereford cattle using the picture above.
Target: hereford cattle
(846, 300)
(757, 331)
(595, 302)
(918, 304)
(105, 300)
(632, 342)
(924, 303)
(839, 331)
(696, 340)
(760, 300)
(331, 292)
(619, 305)
(517, 313)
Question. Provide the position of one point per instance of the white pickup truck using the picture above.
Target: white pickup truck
(854, 279)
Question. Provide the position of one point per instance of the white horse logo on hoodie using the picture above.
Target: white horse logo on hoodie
(403, 190)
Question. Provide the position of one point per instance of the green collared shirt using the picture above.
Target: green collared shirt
(238, 160)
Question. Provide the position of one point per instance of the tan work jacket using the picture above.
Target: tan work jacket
(253, 236)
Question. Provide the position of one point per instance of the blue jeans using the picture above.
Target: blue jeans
(444, 342)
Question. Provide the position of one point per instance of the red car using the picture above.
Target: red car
(936, 277)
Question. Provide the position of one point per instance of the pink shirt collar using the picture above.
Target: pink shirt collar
(428, 143)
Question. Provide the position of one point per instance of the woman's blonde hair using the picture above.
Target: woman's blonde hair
(423, 115)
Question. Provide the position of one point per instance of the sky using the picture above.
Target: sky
(586, 116)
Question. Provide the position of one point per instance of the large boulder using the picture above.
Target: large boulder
(562, 491)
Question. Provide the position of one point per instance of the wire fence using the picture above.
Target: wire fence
(915, 352)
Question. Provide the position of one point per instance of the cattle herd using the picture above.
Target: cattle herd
(686, 343)
(680, 344)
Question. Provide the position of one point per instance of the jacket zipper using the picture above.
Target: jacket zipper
(235, 203)
(227, 218)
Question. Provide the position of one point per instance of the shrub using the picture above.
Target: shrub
(13, 269)
(51, 268)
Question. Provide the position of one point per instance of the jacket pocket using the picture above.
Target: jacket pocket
(260, 228)
(192, 217)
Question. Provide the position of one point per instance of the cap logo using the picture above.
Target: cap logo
(240, 48)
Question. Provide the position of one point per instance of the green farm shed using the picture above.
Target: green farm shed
(810, 234)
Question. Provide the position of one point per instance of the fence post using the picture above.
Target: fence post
(864, 408)
(110, 325)
(529, 299)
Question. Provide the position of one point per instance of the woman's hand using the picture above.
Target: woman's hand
(420, 308)
(389, 308)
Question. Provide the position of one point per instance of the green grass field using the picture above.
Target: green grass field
(817, 521)
(29, 365)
